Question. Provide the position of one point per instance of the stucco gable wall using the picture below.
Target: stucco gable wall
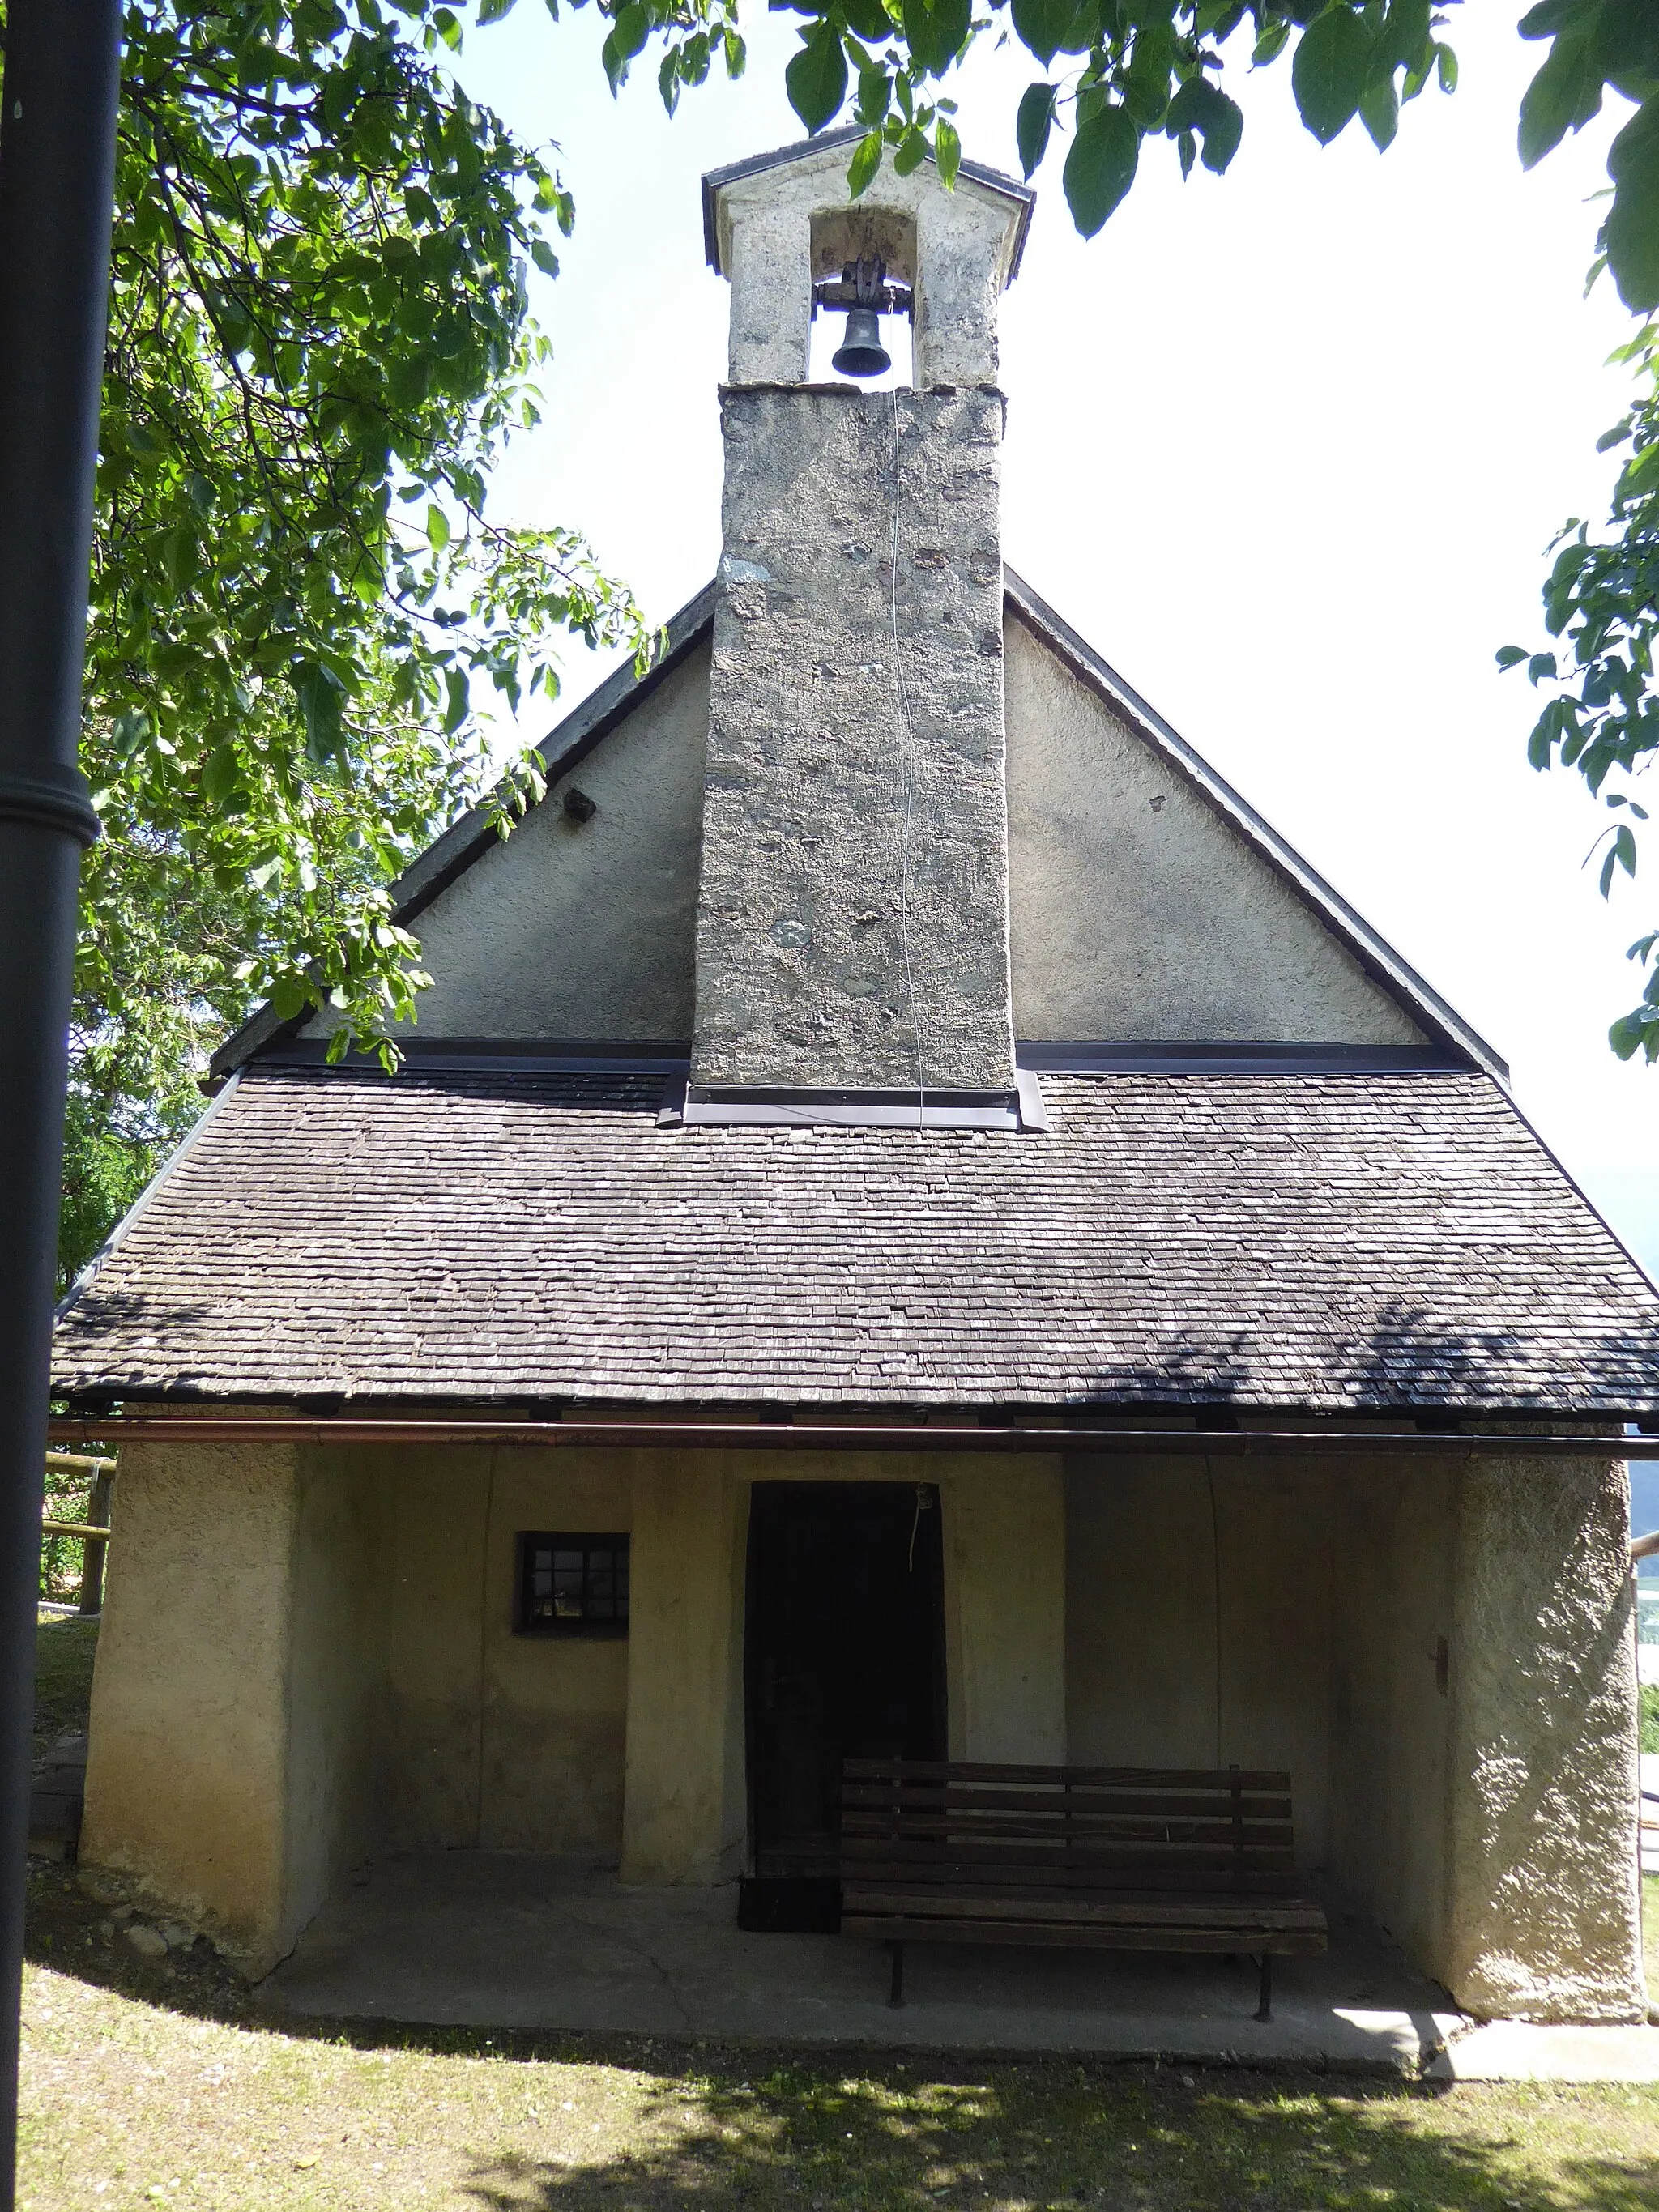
(1139, 912)
(584, 929)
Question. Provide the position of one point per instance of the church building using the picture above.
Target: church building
(911, 1223)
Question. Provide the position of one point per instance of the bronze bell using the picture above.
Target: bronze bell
(861, 352)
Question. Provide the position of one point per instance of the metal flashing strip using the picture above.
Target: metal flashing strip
(494, 1056)
(889, 1436)
(707, 1106)
(1069, 1056)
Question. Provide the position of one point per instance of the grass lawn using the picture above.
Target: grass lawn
(159, 2083)
(130, 2102)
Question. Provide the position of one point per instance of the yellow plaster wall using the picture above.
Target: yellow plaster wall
(1005, 1609)
(188, 1773)
(1147, 1541)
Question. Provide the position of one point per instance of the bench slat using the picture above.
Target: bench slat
(1129, 1777)
(1283, 1943)
(1086, 1861)
(1062, 1910)
(1059, 1804)
(1138, 1881)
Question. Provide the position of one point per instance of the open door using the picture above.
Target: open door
(844, 1658)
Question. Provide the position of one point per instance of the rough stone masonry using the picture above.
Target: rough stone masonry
(853, 916)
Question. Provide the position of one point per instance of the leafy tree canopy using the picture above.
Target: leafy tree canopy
(317, 343)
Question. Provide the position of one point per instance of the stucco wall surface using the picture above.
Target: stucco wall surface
(188, 1776)
(1136, 911)
(1544, 1911)
(1004, 1527)
(583, 929)
(852, 915)
(1198, 1622)
(1395, 1547)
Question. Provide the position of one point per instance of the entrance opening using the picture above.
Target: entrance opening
(844, 1658)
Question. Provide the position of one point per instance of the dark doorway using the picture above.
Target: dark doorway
(844, 1658)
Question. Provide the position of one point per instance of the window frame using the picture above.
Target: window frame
(528, 1541)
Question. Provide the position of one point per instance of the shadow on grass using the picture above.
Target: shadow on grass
(729, 2126)
(1058, 2135)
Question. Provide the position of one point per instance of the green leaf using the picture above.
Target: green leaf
(1203, 107)
(1634, 1032)
(1510, 656)
(1330, 73)
(1379, 111)
(875, 96)
(1631, 234)
(866, 161)
(947, 153)
(935, 30)
(1269, 47)
(491, 12)
(911, 152)
(816, 77)
(437, 529)
(1403, 40)
(1100, 166)
(448, 29)
(459, 691)
(1032, 125)
(867, 20)
(1048, 26)
(321, 700)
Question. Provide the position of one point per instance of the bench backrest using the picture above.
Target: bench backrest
(1075, 1827)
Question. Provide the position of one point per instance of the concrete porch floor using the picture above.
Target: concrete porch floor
(483, 1939)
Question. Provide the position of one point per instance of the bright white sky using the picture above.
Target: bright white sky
(1287, 446)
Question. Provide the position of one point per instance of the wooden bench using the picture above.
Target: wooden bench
(1129, 1858)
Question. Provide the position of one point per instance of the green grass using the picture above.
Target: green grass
(128, 2103)
(1650, 1715)
(63, 1676)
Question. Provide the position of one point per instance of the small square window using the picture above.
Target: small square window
(572, 1585)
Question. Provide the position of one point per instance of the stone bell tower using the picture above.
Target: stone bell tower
(853, 908)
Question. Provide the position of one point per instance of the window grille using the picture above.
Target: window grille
(572, 1585)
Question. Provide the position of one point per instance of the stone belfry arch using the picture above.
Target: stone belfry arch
(853, 902)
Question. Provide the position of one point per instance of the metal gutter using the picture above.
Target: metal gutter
(795, 1436)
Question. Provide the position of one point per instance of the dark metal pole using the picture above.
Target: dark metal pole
(56, 186)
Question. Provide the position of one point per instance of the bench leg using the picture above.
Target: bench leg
(896, 1995)
(1265, 2009)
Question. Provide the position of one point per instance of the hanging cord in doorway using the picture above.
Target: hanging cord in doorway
(906, 790)
(483, 1647)
(924, 1504)
(1215, 1579)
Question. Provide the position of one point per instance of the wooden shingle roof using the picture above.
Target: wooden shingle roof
(1333, 1240)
